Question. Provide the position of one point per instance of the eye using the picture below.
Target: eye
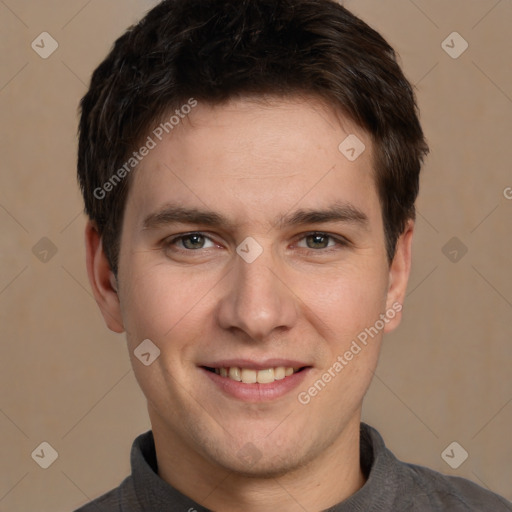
(191, 241)
(321, 241)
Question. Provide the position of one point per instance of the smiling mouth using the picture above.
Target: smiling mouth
(250, 376)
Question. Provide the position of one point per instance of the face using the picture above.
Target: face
(251, 248)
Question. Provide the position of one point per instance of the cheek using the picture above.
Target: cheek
(347, 300)
(158, 302)
(344, 309)
(170, 309)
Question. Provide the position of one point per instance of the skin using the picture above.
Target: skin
(252, 162)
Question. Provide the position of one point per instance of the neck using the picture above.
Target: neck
(328, 479)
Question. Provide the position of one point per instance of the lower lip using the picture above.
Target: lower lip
(257, 392)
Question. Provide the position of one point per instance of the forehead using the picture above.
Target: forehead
(255, 160)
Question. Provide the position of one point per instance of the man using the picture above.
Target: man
(249, 170)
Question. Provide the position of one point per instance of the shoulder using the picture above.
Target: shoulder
(108, 502)
(122, 498)
(442, 492)
(403, 487)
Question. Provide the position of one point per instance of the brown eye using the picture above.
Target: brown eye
(317, 241)
(191, 242)
(194, 241)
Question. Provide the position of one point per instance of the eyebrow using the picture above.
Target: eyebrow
(338, 212)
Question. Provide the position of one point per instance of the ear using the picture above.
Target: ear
(398, 277)
(102, 279)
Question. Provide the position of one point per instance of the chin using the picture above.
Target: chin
(264, 468)
(261, 458)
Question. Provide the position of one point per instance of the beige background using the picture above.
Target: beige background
(443, 376)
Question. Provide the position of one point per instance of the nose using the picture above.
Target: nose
(257, 300)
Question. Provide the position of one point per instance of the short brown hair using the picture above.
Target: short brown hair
(216, 50)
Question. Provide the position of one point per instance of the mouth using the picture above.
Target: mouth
(253, 376)
(256, 382)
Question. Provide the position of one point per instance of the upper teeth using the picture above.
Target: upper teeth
(248, 376)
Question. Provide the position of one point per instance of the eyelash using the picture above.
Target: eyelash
(340, 242)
